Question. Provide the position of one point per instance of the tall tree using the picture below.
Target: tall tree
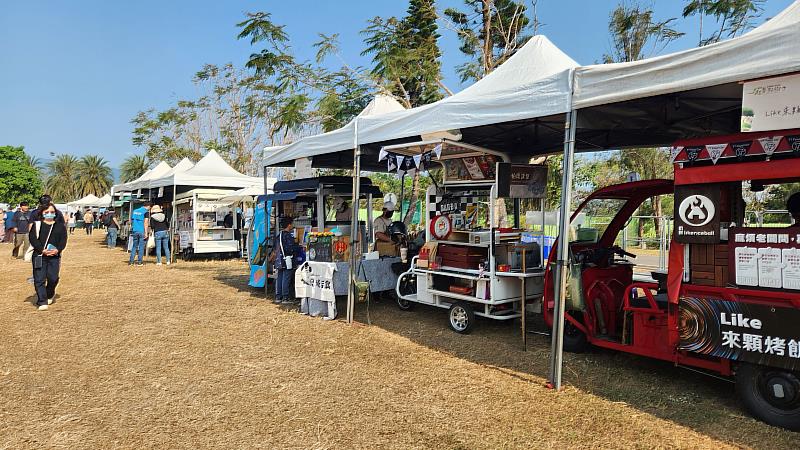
(94, 176)
(733, 17)
(19, 181)
(62, 173)
(635, 34)
(132, 168)
(490, 31)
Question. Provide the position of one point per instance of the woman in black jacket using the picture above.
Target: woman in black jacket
(48, 238)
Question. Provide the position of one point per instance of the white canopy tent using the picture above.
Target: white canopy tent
(770, 49)
(143, 181)
(332, 141)
(89, 200)
(104, 201)
(210, 171)
(248, 194)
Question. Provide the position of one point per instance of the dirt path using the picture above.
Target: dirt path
(188, 356)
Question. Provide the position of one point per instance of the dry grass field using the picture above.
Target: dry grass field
(188, 356)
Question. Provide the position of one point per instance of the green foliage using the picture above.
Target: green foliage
(405, 53)
(490, 31)
(62, 173)
(635, 35)
(94, 176)
(733, 16)
(19, 181)
(132, 168)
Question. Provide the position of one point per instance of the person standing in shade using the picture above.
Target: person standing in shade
(283, 247)
(160, 226)
(112, 228)
(88, 221)
(140, 229)
(22, 225)
(49, 239)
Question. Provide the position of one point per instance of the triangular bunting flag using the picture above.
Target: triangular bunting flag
(769, 144)
(382, 154)
(692, 153)
(673, 153)
(426, 160)
(741, 149)
(417, 160)
(391, 163)
(794, 143)
(715, 151)
(438, 150)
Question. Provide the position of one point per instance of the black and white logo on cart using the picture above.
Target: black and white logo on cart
(696, 210)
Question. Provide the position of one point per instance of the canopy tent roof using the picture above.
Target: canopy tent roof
(332, 141)
(248, 194)
(143, 181)
(89, 200)
(210, 171)
(104, 201)
(696, 92)
(525, 97)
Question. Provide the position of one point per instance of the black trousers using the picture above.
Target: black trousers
(45, 279)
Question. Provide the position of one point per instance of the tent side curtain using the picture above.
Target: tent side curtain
(765, 51)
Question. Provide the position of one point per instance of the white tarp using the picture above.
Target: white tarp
(210, 171)
(332, 141)
(771, 49)
(143, 181)
(534, 82)
(89, 200)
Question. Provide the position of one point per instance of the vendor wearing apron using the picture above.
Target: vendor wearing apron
(381, 223)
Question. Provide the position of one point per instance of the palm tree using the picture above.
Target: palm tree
(62, 173)
(132, 168)
(94, 176)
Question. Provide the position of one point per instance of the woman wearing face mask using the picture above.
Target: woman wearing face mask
(48, 238)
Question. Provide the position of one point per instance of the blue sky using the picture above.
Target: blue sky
(74, 73)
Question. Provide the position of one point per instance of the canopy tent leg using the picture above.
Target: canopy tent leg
(174, 223)
(354, 228)
(557, 345)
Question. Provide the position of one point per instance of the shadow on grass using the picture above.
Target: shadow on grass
(696, 401)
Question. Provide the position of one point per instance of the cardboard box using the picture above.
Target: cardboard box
(426, 254)
(387, 248)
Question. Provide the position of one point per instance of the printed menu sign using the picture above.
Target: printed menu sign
(765, 257)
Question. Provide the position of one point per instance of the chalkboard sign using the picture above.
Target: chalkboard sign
(521, 180)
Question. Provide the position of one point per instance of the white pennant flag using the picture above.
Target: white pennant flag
(417, 159)
(673, 153)
(438, 150)
(382, 155)
(715, 151)
(769, 144)
(399, 163)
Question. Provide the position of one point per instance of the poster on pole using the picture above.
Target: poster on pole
(521, 180)
(771, 104)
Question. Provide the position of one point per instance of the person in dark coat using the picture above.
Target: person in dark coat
(49, 239)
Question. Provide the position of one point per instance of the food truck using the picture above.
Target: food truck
(729, 303)
(200, 226)
(470, 264)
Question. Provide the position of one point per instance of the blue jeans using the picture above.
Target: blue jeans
(111, 237)
(137, 244)
(283, 282)
(162, 241)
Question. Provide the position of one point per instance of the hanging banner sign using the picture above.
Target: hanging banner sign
(521, 181)
(759, 334)
(315, 280)
(697, 214)
(771, 104)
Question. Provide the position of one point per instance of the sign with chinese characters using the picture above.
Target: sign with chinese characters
(765, 257)
(759, 334)
(771, 104)
(315, 280)
(184, 239)
(521, 181)
(697, 214)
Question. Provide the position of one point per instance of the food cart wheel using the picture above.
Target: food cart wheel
(408, 286)
(770, 394)
(461, 317)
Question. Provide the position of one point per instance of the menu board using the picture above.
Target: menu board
(473, 168)
(765, 257)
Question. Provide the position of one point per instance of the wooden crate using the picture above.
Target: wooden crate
(709, 264)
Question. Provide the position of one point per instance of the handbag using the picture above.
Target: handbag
(151, 242)
(287, 260)
(29, 253)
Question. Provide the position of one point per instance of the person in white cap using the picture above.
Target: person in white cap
(382, 222)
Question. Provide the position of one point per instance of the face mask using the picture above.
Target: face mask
(49, 216)
(388, 214)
